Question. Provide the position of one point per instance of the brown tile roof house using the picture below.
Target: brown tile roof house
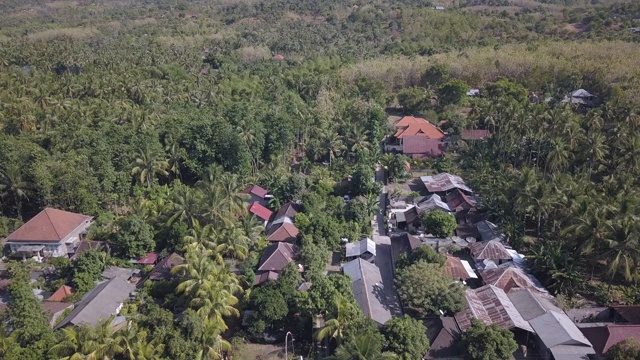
(510, 278)
(489, 250)
(419, 146)
(403, 244)
(475, 134)
(51, 232)
(443, 334)
(284, 232)
(408, 120)
(274, 259)
(260, 211)
(289, 210)
(62, 293)
(162, 270)
(629, 313)
(491, 305)
(255, 190)
(86, 245)
(604, 337)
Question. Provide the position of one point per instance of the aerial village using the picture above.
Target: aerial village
(498, 285)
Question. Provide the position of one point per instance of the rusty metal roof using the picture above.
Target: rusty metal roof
(489, 250)
(491, 305)
(508, 278)
(444, 182)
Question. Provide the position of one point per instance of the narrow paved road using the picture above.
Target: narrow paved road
(383, 253)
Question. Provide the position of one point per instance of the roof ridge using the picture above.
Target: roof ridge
(46, 212)
(366, 292)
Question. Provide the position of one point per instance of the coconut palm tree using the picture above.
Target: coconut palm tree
(333, 145)
(148, 165)
(13, 186)
(363, 347)
(212, 345)
(334, 328)
(136, 344)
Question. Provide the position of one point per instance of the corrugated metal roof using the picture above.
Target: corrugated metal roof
(444, 182)
(434, 202)
(456, 269)
(491, 305)
(360, 247)
(488, 231)
(489, 250)
(510, 277)
(555, 328)
(530, 304)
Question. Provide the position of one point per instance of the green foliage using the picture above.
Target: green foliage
(436, 75)
(271, 308)
(440, 224)
(366, 345)
(134, 237)
(86, 269)
(413, 100)
(453, 92)
(425, 290)
(406, 337)
(29, 324)
(425, 254)
(625, 350)
(505, 88)
(486, 342)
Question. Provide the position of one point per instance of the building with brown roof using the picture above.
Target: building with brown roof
(490, 250)
(422, 127)
(475, 134)
(443, 183)
(510, 278)
(162, 270)
(51, 232)
(603, 337)
(443, 333)
(61, 294)
(283, 232)
(55, 310)
(403, 244)
(491, 305)
(458, 269)
(86, 245)
(273, 260)
(627, 313)
(260, 212)
(421, 146)
(256, 193)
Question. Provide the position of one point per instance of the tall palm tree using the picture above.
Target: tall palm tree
(136, 344)
(185, 206)
(12, 185)
(622, 240)
(334, 328)
(363, 347)
(212, 345)
(148, 165)
(333, 145)
(358, 139)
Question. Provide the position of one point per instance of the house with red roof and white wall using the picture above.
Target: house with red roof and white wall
(51, 233)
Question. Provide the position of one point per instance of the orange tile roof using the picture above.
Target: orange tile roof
(49, 225)
(408, 120)
(423, 128)
(62, 293)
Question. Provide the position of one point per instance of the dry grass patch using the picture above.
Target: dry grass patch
(78, 33)
(192, 40)
(61, 4)
(145, 21)
(251, 54)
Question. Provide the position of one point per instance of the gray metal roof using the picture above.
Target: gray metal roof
(530, 304)
(360, 247)
(366, 287)
(488, 231)
(570, 352)
(555, 328)
(434, 202)
(100, 303)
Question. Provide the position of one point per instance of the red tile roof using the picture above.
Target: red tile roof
(278, 57)
(260, 211)
(62, 293)
(425, 128)
(266, 276)
(408, 120)
(255, 190)
(284, 232)
(55, 307)
(162, 270)
(489, 250)
(149, 259)
(475, 134)
(421, 145)
(49, 225)
(604, 337)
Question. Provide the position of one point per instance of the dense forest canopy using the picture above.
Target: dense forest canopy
(152, 116)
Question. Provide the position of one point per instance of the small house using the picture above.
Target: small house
(257, 194)
(260, 212)
(364, 249)
(492, 250)
(366, 286)
(162, 270)
(274, 259)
